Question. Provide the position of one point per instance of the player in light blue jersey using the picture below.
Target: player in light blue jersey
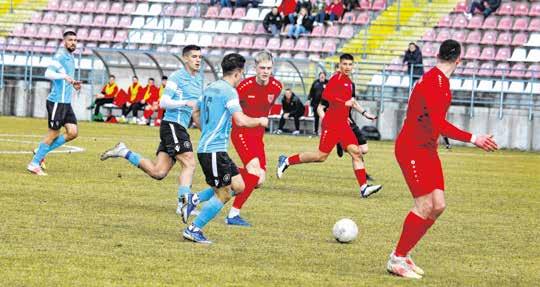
(61, 72)
(218, 106)
(184, 87)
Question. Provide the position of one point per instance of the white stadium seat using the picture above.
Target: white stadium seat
(519, 55)
(178, 39)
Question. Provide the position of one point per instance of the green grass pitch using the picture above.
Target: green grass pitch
(93, 223)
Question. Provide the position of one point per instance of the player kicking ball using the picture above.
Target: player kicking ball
(257, 95)
(183, 89)
(61, 72)
(336, 128)
(416, 154)
(217, 108)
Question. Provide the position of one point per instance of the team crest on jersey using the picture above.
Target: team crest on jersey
(271, 98)
(177, 148)
(226, 178)
(187, 144)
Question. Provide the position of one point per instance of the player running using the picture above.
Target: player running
(257, 95)
(183, 89)
(336, 128)
(61, 72)
(218, 107)
(416, 153)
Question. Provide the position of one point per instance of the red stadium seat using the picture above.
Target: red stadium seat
(428, 50)
(520, 39)
(260, 43)
(348, 18)
(77, 7)
(249, 28)
(31, 31)
(302, 44)
(104, 7)
(232, 42)
(287, 45)
(521, 24)
(473, 52)
(99, 21)
(534, 26)
(474, 37)
(65, 6)
(445, 21)
(504, 38)
(86, 20)
(489, 38)
(501, 69)
(45, 30)
(112, 21)
(61, 19)
(486, 69)
(36, 17)
(365, 5)
(378, 5)
(318, 31)
(459, 22)
(362, 18)
(95, 35)
(533, 71)
(521, 9)
(476, 22)
(490, 23)
(219, 41)
(443, 35)
(225, 13)
(125, 21)
(517, 71)
(48, 18)
(347, 32)
(18, 30)
(212, 12)
(396, 65)
(332, 31)
(315, 46)
(505, 23)
(273, 44)
(460, 36)
(430, 35)
(503, 54)
(260, 29)
(56, 33)
(470, 69)
(535, 10)
(82, 34)
(53, 5)
(239, 13)
(246, 43)
(329, 46)
(120, 36)
(461, 7)
(181, 11)
(488, 53)
(505, 9)
(129, 8)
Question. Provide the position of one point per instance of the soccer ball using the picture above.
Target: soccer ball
(345, 230)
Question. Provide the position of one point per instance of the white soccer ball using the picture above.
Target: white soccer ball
(345, 230)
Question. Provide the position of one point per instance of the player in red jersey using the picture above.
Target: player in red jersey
(416, 153)
(257, 95)
(336, 128)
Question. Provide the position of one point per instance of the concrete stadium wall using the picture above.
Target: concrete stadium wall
(16, 101)
(514, 130)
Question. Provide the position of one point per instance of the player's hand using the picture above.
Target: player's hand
(77, 85)
(192, 104)
(350, 103)
(286, 115)
(263, 122)
(370, 116)
(69, 80)
(143, 102)
(486, 142)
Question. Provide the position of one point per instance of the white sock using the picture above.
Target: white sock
(234, 212)
(123, 152)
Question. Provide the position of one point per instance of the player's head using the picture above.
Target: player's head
(151, 81)
(233, 67)
(346, 62)
(264, 63)
(322, 76)
(192, 55)
(112, 78)
(135, 79)
(164, 80)
(449, 52)
(275, 10)
(70, 41)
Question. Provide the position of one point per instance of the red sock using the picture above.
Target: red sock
(148, 113)
(160, 113)
(414, 229)
(250, 181)
(294, 159)
(360, 176)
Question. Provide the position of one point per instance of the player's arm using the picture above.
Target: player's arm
(242, 120)
(55, 71)
(167, 101)
(196, 114)
(356, 106)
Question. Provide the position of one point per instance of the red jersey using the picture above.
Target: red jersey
(338, 90)
(426, 113)
(256, 100)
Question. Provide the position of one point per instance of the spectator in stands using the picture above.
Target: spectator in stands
(273, 21)
(153, 105)
(333, 12)
(147, 96)
(292, 107)
(318, 8)
(485, 6)
(285, 8)
(314, 98)
(299, 5)
(350, 5)
(133, 93)
(414, 62)
(245, 3)
(302, 24)
(106, 96)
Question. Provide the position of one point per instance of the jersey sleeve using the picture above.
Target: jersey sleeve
(55, 70)
(329, 92)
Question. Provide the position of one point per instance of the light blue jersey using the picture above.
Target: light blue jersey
(219, 102)
(181, 85)
(62, 63)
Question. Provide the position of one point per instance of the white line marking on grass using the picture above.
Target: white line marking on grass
(67, 148)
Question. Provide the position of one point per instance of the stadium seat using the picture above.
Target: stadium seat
(138, 22)
(516, 87)
(212, 12)
(249, 28)
(65, 5)
(219, 41)
(521, 9)
(236, 27)
(260, 29)
(120, 36)
(519, 55)
(476, 22)
(329, 46)
(503, 54)
(376, 80)
(445, 21)
(473, 52)
(485, 85)
(48, 18)
(520, 39)
(378, 5)
(205, 40)
(471, 68)
(505, 9)
(461, 7)
(135, 37)
(178, 39)
(108, 35)
(53, 5)
(181, 11)
(99, 21)
(455, 83)
(300, 56)
(95, 35)
(521, 24)
(348, 18)
(239, 13)
(287, 45)
(443, 35)
(193, 12)
(259, 43)
(489, 38)
(501, 69)
(36, 17)
(459, 22)
(82, 33)
(517, 71)
(30, 31)
(129, 8)
(365, 5)
(318, 31)
(394, 81)
(490, 23)
(474, 37)
(263, 14)
(505, 23)
(112, 21)
(302, 44)
(396, 65)
(332, 31)
(104, 7)
(534, 40)
(533, 71)
(534, 26)
(125, 21)
(246, 43)
(168, 10)
(225, 13)
(18, 30)
(486, 69)
(362, 18)
(316, 46)
(209, 26)
(155, 10)
(273, 44)
(222, 26)
(77, 7)
(191, 39)
(460, 35)
(533, 56)
(56, 33)
(429, 36)
(488, 53)
(347, 32)
(195, 25)
(504, 38)
(535, 10)
(252, 14)
(428, 50)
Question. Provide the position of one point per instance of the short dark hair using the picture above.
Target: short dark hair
(190, 48)
(449, 51)
(164, 78)
(69, 33)
(112, 76)
(232, 62)
(346, 57)
(135, 77)
(151, 79)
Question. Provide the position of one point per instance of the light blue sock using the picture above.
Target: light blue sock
(60, 140)
(208, 212)
(183, 190)
(206, 194)
(133, 158)
(42, 151)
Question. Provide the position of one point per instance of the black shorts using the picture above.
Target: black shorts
(59, 114)
(218, 168)
(174, 139)
(358, 133)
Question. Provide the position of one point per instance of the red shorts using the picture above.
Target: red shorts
(249, 145)
(331, 135)
(421, 168)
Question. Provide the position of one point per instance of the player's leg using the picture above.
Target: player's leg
(41, 151)
(252, 170)
(360, 171)
(185, 178)
(210, 209)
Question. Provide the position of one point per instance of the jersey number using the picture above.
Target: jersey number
(207, 102)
